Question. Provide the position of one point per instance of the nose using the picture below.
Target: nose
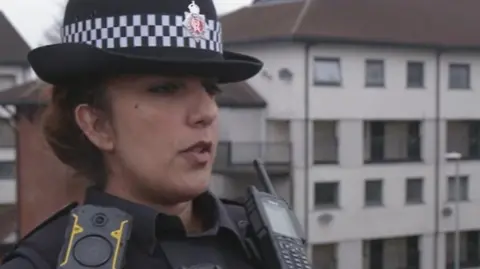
(204, 110)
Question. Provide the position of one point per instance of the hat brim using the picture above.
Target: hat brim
(66, 63)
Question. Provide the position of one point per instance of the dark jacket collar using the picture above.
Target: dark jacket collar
(149, 226)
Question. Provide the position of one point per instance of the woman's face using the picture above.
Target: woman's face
(162, 136)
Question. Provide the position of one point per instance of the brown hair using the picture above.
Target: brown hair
(65, 137)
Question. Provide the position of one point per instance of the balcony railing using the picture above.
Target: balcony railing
(385, 150)
(235, 154)
(470, 149)
(472, 264)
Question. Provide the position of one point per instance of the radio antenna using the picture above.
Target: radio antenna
(264, 178)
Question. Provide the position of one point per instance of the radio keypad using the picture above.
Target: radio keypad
(293, 253)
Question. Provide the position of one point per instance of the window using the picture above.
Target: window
(415, 75)
(374, 73)
(7, 170)
(414, 190)
(413, 253)
(377, 141)
(463, 136)
(327, 72)
(414, 141)
(325, 145)
(459, 76)
(373, 192)
(473, 244)
(7, 81)
(326, 194)
(463, 188)
(473, 139)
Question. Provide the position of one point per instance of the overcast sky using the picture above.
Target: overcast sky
(33, 17)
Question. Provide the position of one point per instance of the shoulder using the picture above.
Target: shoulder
(235, 209)
(57, 220)
(43, 244)
(18, 263)
(233, 205)
(230, 202)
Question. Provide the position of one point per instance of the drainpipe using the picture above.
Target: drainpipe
(19, 175)
(438, 154)
(307, 142)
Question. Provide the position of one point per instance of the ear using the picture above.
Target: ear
(95, 126)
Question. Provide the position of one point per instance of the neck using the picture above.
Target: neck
(183, 210)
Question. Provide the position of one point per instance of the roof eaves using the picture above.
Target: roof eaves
(22, 102)
(260, 40)
(340, 40)
(15, 63)
(383, 43)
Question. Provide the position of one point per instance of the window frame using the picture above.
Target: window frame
(469, 76)
(383, 70)
(463, 178)
(422, 199)
(368, 203)
(334, 60)
(14, 171)
(336, 186)
(409, 65)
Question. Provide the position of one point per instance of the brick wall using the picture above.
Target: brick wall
(44, 184)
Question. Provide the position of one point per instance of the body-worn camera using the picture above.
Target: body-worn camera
(96, 238)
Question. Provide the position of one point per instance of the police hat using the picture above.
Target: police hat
(170, 37)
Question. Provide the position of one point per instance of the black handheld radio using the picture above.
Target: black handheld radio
(276, 229)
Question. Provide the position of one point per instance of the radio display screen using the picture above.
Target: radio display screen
(279, 219)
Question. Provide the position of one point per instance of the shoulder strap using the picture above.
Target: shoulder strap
(39, 246)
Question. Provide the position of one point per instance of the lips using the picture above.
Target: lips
(200, 146)
(198, 153)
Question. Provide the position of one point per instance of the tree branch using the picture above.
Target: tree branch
(53, 35)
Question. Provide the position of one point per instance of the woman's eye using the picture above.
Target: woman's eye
(212, 88)
(167, 88)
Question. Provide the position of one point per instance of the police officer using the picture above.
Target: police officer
(133, 109)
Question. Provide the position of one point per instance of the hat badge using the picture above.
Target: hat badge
(195, 23)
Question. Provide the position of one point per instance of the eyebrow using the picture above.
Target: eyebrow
(180, 81)
(203, 82)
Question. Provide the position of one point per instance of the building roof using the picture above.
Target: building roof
(32, 92)
(238, 95)
(13, 48)
(439, 23)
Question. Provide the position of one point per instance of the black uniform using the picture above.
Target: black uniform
(220, 245)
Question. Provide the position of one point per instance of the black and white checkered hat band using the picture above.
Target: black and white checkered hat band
(142, 31)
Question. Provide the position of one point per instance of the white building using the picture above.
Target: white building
(14, 69)
(364, 99)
